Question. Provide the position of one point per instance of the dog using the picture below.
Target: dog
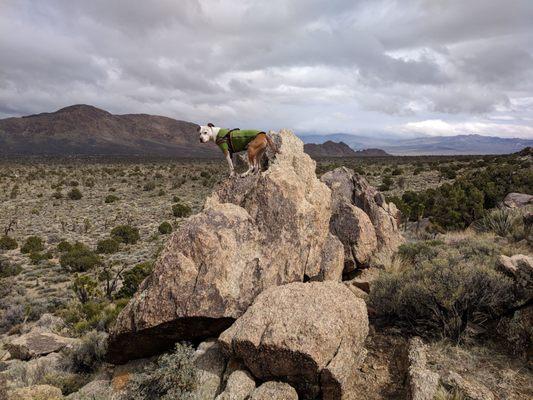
(233, 141)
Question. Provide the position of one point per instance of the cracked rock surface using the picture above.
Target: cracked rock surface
(308, 334)
(254, 233)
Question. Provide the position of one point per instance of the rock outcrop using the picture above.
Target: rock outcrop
(520, 268)
(37, 343)
(210, 364)
(517, 200)
(361, 218)
(239, 386)
(308, 334)
(254, 233)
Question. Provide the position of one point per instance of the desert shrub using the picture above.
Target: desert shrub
(181, 210)
(8, 243)
(419, 251)
(386, 184)
(37, 257)
(448, 291)
(8, 269)
(63, 246)
(57, 195)
(133, 278)
(107, 246)
(96, 314)
(85, 288)
(68, 382)
(79, 258)
(88, 354)
(149, 186)
(74, 194)
(457, 205)
(125, 234)
(165, 228)
(32, 244)
(501, 221)
(111, 198)
(172, 377)
(89, 182)
(176, 199)
(161, 192)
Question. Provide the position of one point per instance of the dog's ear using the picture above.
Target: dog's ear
(199, 128)
(210, 125)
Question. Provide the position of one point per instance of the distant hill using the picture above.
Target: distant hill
(427, 145)
(329, 149)
(87, 130)
(372, 153)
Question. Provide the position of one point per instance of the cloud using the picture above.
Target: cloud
(282, 63)
(442, 128)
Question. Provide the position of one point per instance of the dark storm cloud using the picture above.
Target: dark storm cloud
(338, 65)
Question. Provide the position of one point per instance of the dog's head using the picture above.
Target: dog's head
(206, 132)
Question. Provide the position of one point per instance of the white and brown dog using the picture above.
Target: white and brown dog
(233, 141)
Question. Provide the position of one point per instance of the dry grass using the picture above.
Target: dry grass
(507, 377)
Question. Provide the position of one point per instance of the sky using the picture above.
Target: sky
(370, 67)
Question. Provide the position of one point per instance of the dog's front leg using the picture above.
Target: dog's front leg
(230, 164)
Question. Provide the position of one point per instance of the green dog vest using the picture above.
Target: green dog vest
(235, 140)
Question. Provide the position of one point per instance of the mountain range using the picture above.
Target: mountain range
(87, 130)
(427, 145)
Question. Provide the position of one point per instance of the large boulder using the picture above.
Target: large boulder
(308, 334)
(520, 268)
(37, 343)
(254, 233)
(517, 200)
(239, 386)
(361, 218)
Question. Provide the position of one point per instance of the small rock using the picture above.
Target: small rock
(520, 268)
(239, 386)
(470, 389)
(274, 391)
(364, 279)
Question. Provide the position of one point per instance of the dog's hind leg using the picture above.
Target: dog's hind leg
(251, 166)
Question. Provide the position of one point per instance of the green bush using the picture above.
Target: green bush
(74, 194)
(165, 228)
(181, 210)
(79, 258)
(447, 292)
(63, 246)
(107, 246)
(37, 257)
(172, 377)
(386, 184)
(88, 354)
(133, 278)
(8, 243)
(125, 234)
(111, 198)
(500, 221)
(7, 269)
(32, 244)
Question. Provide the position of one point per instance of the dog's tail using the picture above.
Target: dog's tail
(271, 144)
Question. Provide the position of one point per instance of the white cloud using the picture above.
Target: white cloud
(439, 127)
(283, 63)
